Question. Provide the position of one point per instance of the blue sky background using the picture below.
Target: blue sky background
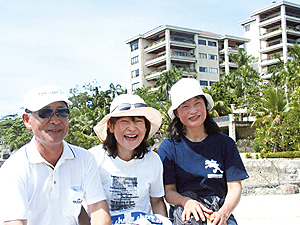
(74, 42)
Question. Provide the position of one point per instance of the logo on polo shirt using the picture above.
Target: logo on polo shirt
(78, 201)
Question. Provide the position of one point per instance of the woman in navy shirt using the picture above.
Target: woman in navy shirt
(202, 167)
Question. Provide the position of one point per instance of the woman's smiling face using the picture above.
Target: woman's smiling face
(192, 113)
(129, 132)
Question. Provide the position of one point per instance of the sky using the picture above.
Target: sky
(70, 43)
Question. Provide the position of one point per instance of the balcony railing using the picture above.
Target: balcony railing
(172, 39)
(270, 17)
(155, 57)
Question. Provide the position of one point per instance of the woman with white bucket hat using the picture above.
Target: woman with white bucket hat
(202, 167)
(132, 175)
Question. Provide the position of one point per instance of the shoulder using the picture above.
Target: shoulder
(166, 143)
(152, 155)
(222, 137)
(16, 158)
(99, 153)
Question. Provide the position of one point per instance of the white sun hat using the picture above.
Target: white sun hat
(129, 105)
(185, 89)
(37, 98)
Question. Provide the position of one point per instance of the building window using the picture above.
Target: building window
(203, 82)
(135, 86)
(135, 73)
(213, 57)
(201, 42)
(202, 69)
(247, 27)
(134, 45)
(180, 53)
(134, 60)
(212, 43)
(213, 70)
(202, 55)
(211, 82)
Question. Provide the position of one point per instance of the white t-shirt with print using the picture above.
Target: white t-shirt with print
(128, 185)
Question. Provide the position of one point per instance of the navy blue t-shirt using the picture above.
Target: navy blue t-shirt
(202, 167)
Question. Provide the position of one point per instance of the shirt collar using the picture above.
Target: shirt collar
(34, 156)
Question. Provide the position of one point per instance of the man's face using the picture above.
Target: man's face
(50, 131)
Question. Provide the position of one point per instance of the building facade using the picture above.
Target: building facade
(273, 29)
(167, 47)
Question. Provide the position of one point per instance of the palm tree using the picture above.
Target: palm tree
(244, 76)
(166, 80)
(269, 114)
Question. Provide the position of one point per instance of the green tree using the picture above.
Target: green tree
(290, 127)
(269, 114)
(89, 107)
(242, 80)
(13, 132)
(166, 80)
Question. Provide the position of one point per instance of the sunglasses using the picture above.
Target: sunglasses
(127, 106)
(48, 113)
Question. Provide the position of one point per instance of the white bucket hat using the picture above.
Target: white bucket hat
(37, 98)
(185, 89)
(129, 105)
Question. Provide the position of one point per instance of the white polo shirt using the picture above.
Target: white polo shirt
(33, 189)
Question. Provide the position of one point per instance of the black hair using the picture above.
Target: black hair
(110, 143)
(176, 128)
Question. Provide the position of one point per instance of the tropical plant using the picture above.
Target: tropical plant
(13, 132)
(269, 113)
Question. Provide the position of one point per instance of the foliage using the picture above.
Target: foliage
(276, 105)
(277, 112)
(13, 132)
(287, 154)
(89, 107)
(159, 97)
(243, 81)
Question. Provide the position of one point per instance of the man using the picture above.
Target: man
(46, 180)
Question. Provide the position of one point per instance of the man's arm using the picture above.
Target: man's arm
(16, 222)
(99, 212)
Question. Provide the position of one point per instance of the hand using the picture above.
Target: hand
(195, 208)
(218, 218)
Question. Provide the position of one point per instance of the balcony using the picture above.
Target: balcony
(274, 18)
(160, 45)
(156, 61)
(155, 47)
(231, 50)
(231, 64)
(190, 58)
(183, 44)
(269, 35)
(154, 75)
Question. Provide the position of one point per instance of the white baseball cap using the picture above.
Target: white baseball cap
(129, 105)
(37, 98)
(185, 89)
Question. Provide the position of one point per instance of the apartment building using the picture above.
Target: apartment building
(166, 47)
(272, 29)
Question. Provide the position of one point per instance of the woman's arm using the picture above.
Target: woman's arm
(189, 205)
(100, 213)
(158, 206)
(231, 201)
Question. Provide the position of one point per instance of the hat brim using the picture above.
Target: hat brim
(151, 114)
(209, 99)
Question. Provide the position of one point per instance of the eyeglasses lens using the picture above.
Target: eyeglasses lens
(48, 113)
(127, 106)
